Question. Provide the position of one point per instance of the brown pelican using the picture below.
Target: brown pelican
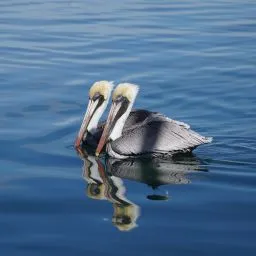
(155, 135)
(98, 100)
(91, 129)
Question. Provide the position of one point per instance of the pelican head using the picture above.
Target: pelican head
(99, 95)
(122, 101)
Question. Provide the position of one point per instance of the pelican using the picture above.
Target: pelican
(99, 95)
(91, 129)
(156, 135)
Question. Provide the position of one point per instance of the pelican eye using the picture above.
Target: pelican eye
(121, 98)
(97, 96)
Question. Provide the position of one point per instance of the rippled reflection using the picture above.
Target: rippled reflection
(102, 185)
(104, 181)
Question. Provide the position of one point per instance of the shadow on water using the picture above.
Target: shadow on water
(105, 181)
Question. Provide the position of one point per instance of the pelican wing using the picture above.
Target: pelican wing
(136, 117)
(158, 135)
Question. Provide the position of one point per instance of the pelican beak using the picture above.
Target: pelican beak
(92, 106)
(111, 120)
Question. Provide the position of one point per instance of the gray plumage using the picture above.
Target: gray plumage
(155, 135)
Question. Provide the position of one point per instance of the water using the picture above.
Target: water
(194, 61)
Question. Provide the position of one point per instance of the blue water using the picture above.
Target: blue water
(194, 61)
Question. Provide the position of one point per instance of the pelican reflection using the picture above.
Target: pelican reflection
(104, 186)
(104, 181)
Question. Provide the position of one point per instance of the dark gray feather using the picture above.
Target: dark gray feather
(158, 134)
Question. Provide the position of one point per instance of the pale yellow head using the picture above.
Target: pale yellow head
(126, 90)
(103, 88)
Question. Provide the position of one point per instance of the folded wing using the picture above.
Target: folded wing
(158, 135)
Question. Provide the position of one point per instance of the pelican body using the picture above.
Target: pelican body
(155, 135)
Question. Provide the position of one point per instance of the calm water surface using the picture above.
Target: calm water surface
(195, 62)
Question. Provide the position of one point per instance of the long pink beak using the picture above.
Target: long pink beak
(87, 118)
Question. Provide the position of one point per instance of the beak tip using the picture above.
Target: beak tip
(97, 154)
(77, 145)
(77, 142)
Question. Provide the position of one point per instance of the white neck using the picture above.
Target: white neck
(93, 125)
(118, 128)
